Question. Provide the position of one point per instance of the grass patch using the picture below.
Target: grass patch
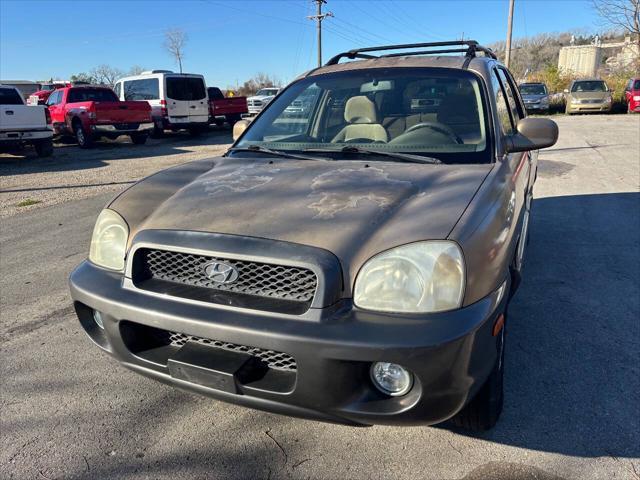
(28, 202)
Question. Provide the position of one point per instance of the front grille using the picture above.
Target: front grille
(271, 358)
(262, 286)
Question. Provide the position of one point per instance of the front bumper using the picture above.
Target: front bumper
(588, 107)
(536, 107)
(116, 130)
(450, 354)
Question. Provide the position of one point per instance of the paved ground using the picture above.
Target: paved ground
(572, 380)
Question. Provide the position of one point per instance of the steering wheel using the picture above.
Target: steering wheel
(436, 127)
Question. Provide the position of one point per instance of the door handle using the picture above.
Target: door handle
(192, 106)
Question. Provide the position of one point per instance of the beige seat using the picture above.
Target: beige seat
(360, 113)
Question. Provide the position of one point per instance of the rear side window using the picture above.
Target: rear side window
(512, 98)
(504, 112)
(215, 93)
(144, 89)
(9, 96)
(185, 88)
(91, 95)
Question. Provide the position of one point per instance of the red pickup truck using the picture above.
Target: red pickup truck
(91, 112)
(229, 108)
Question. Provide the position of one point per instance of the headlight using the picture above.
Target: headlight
(636, 98)
(575, 100)
(545, 101)
(109, 240)
(420, 277)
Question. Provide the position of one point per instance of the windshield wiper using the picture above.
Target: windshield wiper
(404, 157)
(275, 153)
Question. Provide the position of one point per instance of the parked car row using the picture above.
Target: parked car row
(582, 96)
(138, 106)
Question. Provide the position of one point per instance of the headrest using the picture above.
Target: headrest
(360, 110)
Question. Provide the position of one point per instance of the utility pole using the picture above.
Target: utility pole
(319, 17)
(507, 56)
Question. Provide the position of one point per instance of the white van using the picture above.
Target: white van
(178, 100)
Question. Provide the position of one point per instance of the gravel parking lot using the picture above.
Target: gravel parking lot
(572, 360)
(72, 173)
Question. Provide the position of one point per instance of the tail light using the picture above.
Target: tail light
(47, 115)
(163, 108)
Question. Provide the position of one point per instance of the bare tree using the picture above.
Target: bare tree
(135, 70)
(258, 81)
(174, 42)
(106, 74)
(623, 14)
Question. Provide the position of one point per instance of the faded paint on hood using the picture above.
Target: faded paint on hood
(354, 209)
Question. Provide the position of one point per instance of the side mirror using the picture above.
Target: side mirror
(533, 134)
(238, 128)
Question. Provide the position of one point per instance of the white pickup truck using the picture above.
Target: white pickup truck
(20, 123)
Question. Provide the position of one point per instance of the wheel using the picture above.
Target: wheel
(44, 148)
(83, 138)
(483, 412)
(139, 138)
(232, 119)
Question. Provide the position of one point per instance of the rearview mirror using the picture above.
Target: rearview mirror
(238, 128)
(533, 134)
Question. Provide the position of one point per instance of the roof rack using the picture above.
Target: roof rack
(472, 47)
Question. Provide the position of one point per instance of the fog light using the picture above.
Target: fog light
(97, 317)
(391, 379)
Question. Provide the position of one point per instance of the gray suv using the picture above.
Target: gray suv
(352, 261)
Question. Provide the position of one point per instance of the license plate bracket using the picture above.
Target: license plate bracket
(208, 366)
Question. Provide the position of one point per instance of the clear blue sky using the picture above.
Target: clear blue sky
(230, 41)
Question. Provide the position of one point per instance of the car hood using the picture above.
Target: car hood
(261, 97)
(354, 209)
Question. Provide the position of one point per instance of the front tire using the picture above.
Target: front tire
(44, 148)
(83, 138)
(482, 413)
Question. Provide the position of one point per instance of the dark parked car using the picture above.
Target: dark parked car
(535, 96)
(353, 264)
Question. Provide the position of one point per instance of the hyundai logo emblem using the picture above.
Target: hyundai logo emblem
(219, 272)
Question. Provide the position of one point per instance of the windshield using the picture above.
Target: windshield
(533, 90)
(590, 86)
(636, 85)
(266, 93)
(424, 111)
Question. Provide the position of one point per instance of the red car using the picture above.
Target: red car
(229, 108)
(40, 97)
(632, 93)
(93, 112)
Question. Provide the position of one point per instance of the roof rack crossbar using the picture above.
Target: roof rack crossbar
(426, 52)
(470, 51)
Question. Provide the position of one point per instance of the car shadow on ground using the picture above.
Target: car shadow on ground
(572, 358)
(68, 156)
